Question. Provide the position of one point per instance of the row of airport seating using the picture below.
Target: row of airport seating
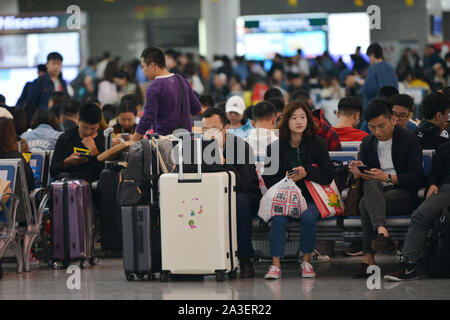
(336, 228)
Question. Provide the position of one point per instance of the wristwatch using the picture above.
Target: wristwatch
(389, 180)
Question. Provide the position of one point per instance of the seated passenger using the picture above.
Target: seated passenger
(215, 124)
(20, 125)
(402, 109)
(324, 249)
(131, 99)
(8, 150)
(385, 93)
(423, 218)
(324, 127)
(240, 126)
(435, 108)
(69, 114)
(67, 159)
(206, 101)
(301, 149)
(125, 125)
(390, 186)
(9, 147)
(349, 114)
(264, 121)
(279, 106)
(44, 134)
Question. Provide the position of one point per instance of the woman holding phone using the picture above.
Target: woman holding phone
(126, 121)
(302, 156)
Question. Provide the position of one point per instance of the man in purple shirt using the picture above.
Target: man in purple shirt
(165, 109)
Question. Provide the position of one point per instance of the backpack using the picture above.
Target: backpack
(27, 90)
(135, 181)
(78, 83)
(439, 257)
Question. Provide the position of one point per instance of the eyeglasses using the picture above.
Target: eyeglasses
(213, 129)
(400, 115)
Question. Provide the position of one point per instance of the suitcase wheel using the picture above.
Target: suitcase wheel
(140, 276)
(232, 275)
(84, 264)
(129, 276)
(164, 276)
(151, 277)
(57, 265)
(93, 261)
(220, 276)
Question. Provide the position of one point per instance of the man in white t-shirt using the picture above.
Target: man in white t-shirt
(395, 174)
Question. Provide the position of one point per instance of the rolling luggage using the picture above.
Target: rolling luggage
(141, 226)
(198, 222)
(72, 227)
(141, 242)
(110, 211)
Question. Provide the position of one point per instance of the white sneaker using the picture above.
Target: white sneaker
(307, 270)
(274, 273)
(317, 257)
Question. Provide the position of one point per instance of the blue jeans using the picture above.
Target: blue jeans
(247, 205)
(308, 221)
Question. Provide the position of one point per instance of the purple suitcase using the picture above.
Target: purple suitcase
(72, 224)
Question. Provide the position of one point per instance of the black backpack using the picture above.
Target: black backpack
(439, 257)
(136, 180)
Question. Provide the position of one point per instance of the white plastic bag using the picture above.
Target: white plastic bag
(283, 199)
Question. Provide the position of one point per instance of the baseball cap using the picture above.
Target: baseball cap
(235, 104)
(5, 114)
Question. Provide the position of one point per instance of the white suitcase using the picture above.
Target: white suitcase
(198, 224)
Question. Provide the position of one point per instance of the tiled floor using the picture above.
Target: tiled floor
(107, 281)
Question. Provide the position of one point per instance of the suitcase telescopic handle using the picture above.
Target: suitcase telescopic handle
(108, 141)
(198, 141)
(154, 137)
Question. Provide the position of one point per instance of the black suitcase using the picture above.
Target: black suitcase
(141, 242)
(141, 232)
(110, 211)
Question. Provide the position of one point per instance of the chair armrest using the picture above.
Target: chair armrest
(42, 195)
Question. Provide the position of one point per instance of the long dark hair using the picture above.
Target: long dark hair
(8, 141)
(291, 107)
(44, 116)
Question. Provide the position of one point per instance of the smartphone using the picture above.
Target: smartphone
(363, 168)
(292, 172)
(86, 156)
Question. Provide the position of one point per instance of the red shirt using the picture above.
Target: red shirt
(350, 134)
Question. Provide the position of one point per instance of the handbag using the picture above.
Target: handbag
(283, 199)
(326, 197)
(354, 196)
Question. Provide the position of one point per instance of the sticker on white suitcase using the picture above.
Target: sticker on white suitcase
(192, 210)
